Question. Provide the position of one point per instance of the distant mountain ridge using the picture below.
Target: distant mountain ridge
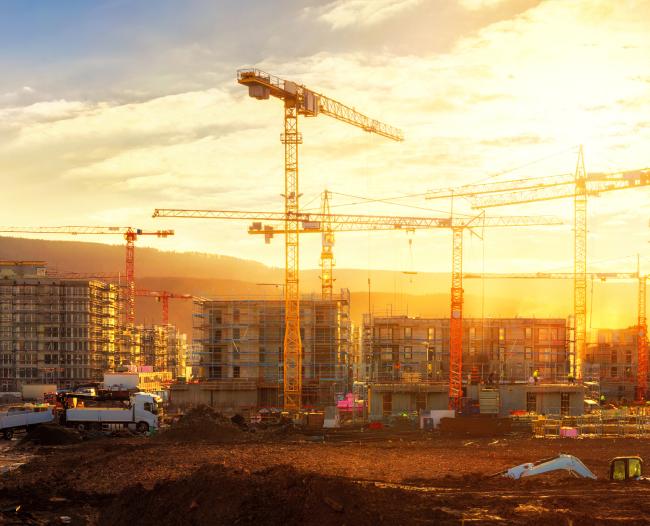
(422, 294)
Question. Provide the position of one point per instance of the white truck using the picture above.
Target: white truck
(23, 417)
(140, 414)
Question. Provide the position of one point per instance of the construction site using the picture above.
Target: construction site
(278, 341)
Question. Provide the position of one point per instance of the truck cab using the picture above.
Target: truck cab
(146, 407)
(626, 468)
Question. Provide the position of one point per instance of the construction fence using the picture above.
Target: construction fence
(614, 423)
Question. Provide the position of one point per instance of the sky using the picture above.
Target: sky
(112, 108)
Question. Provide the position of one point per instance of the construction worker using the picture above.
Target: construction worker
(535, 376)
(602, 399)
(571, 378)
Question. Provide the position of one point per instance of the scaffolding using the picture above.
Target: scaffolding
(153, 347)
(55, 331)
(176, 357)
(240, 346)
(416, 350)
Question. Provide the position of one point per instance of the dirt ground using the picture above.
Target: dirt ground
(352, 477)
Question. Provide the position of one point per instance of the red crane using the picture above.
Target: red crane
(130, 235)
(163, 298)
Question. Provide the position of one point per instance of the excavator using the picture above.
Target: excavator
(620, 468)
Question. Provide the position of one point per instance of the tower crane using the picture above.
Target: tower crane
(641, 383)
(316, 223)
(299, 100)
(577, 186)
(130, 235)
(327, 250)
(163, 298)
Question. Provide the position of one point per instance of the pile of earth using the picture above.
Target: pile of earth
(281, 495)
(50, 435)
(204, 423)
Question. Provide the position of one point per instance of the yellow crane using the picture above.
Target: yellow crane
(299, 101)
(318, 223)
(327, 250)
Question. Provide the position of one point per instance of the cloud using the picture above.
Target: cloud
(516, 140)
(341, 14)
(475, 5)
(517, 90)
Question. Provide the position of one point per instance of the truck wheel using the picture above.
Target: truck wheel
(142, 427)
(8, 434)
(81, 427)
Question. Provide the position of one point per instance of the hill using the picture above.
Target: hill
(422, 294)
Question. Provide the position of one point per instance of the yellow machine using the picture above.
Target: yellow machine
(626, 468)
(620, 468)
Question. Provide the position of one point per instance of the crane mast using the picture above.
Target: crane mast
(298, 100)
(327, 251)
(641, 337)
(580, 266)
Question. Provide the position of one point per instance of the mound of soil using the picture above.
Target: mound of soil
(215, 495)
(202, 423)
(50, 435)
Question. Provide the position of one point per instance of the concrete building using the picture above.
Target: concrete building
(406, 360)
(400, 348)
(163, 348)
(54, 331)
(240, 347)
(544, 399)
(67, 332)
(612, 361)
(177, 352)
(128, 346)
(153, 347)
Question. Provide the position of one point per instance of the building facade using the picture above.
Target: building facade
(177, 352)
(406, 365)
(612, 362)
(163, 348)
(400, 348)
(240, 349)
(54, 331)
(67, 332)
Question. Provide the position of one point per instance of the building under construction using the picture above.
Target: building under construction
(162, 348)
(406, 360)
(68, 332)
(54, 331)
(240, 352)
(611, 362)
(504, 349)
